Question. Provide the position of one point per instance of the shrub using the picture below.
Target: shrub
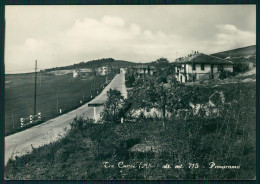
(241, 67)
(226, 74)
(112, 107)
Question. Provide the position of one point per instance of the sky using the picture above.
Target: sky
(64, 35)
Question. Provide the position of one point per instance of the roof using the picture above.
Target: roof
(203, 59)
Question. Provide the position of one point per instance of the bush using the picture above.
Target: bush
(130, 79)
(112, 107)
(226, 74)
(240, 67)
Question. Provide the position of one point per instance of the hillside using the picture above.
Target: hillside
(239, 52)
(95, 64)
(150, 148)
(122, 63)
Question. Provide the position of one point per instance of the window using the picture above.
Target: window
(193, 66)
(202, 66)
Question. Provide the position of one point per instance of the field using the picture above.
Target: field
(150, 151)
(54, 92)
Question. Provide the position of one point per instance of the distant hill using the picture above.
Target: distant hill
(239, 52)
(122, 63)
(96, 64)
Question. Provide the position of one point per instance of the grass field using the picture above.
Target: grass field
(53, 92)
(226, 140)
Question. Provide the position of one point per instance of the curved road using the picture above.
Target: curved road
(22, 142)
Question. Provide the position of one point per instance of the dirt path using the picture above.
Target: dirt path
(22, 142)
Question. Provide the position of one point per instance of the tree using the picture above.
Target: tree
(240, 67)
(112, 107)
(178, 98)
(130, 79)
(162, 92)
(163, 69)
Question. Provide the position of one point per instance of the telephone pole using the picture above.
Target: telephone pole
(35, 87)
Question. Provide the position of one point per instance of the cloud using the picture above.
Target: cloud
(135, 29)
(67, 35)
(225, 37)
(229, 36)
(88, 38)
(113, 35)
(34, 45)
(113, 21)
(92, 34)
(24, 55)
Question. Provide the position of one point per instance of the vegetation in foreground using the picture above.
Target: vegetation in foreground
(146, 145)
(214, 140)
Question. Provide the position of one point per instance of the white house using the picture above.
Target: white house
(83, 72)
(123, 70)
(200, 66)
(103, 70)
(76, 73)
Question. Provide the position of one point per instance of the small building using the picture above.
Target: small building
(76, 73)
(143, 70)
(83, 72)
(103, 70)
(123, 70)
(200, 66)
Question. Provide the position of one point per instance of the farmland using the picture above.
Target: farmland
(54, 92)
(96, 151)
(201, 130)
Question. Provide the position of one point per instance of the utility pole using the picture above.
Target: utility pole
(35, 87)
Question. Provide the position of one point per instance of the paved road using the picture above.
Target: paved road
(21, 143)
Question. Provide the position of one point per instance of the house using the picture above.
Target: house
(61, 72)
(81, 72)
(103, 70)
(200, 66)
(143, 70)
(76, 73)
(123, 70)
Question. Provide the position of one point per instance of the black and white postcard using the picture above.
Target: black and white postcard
(139, 92)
